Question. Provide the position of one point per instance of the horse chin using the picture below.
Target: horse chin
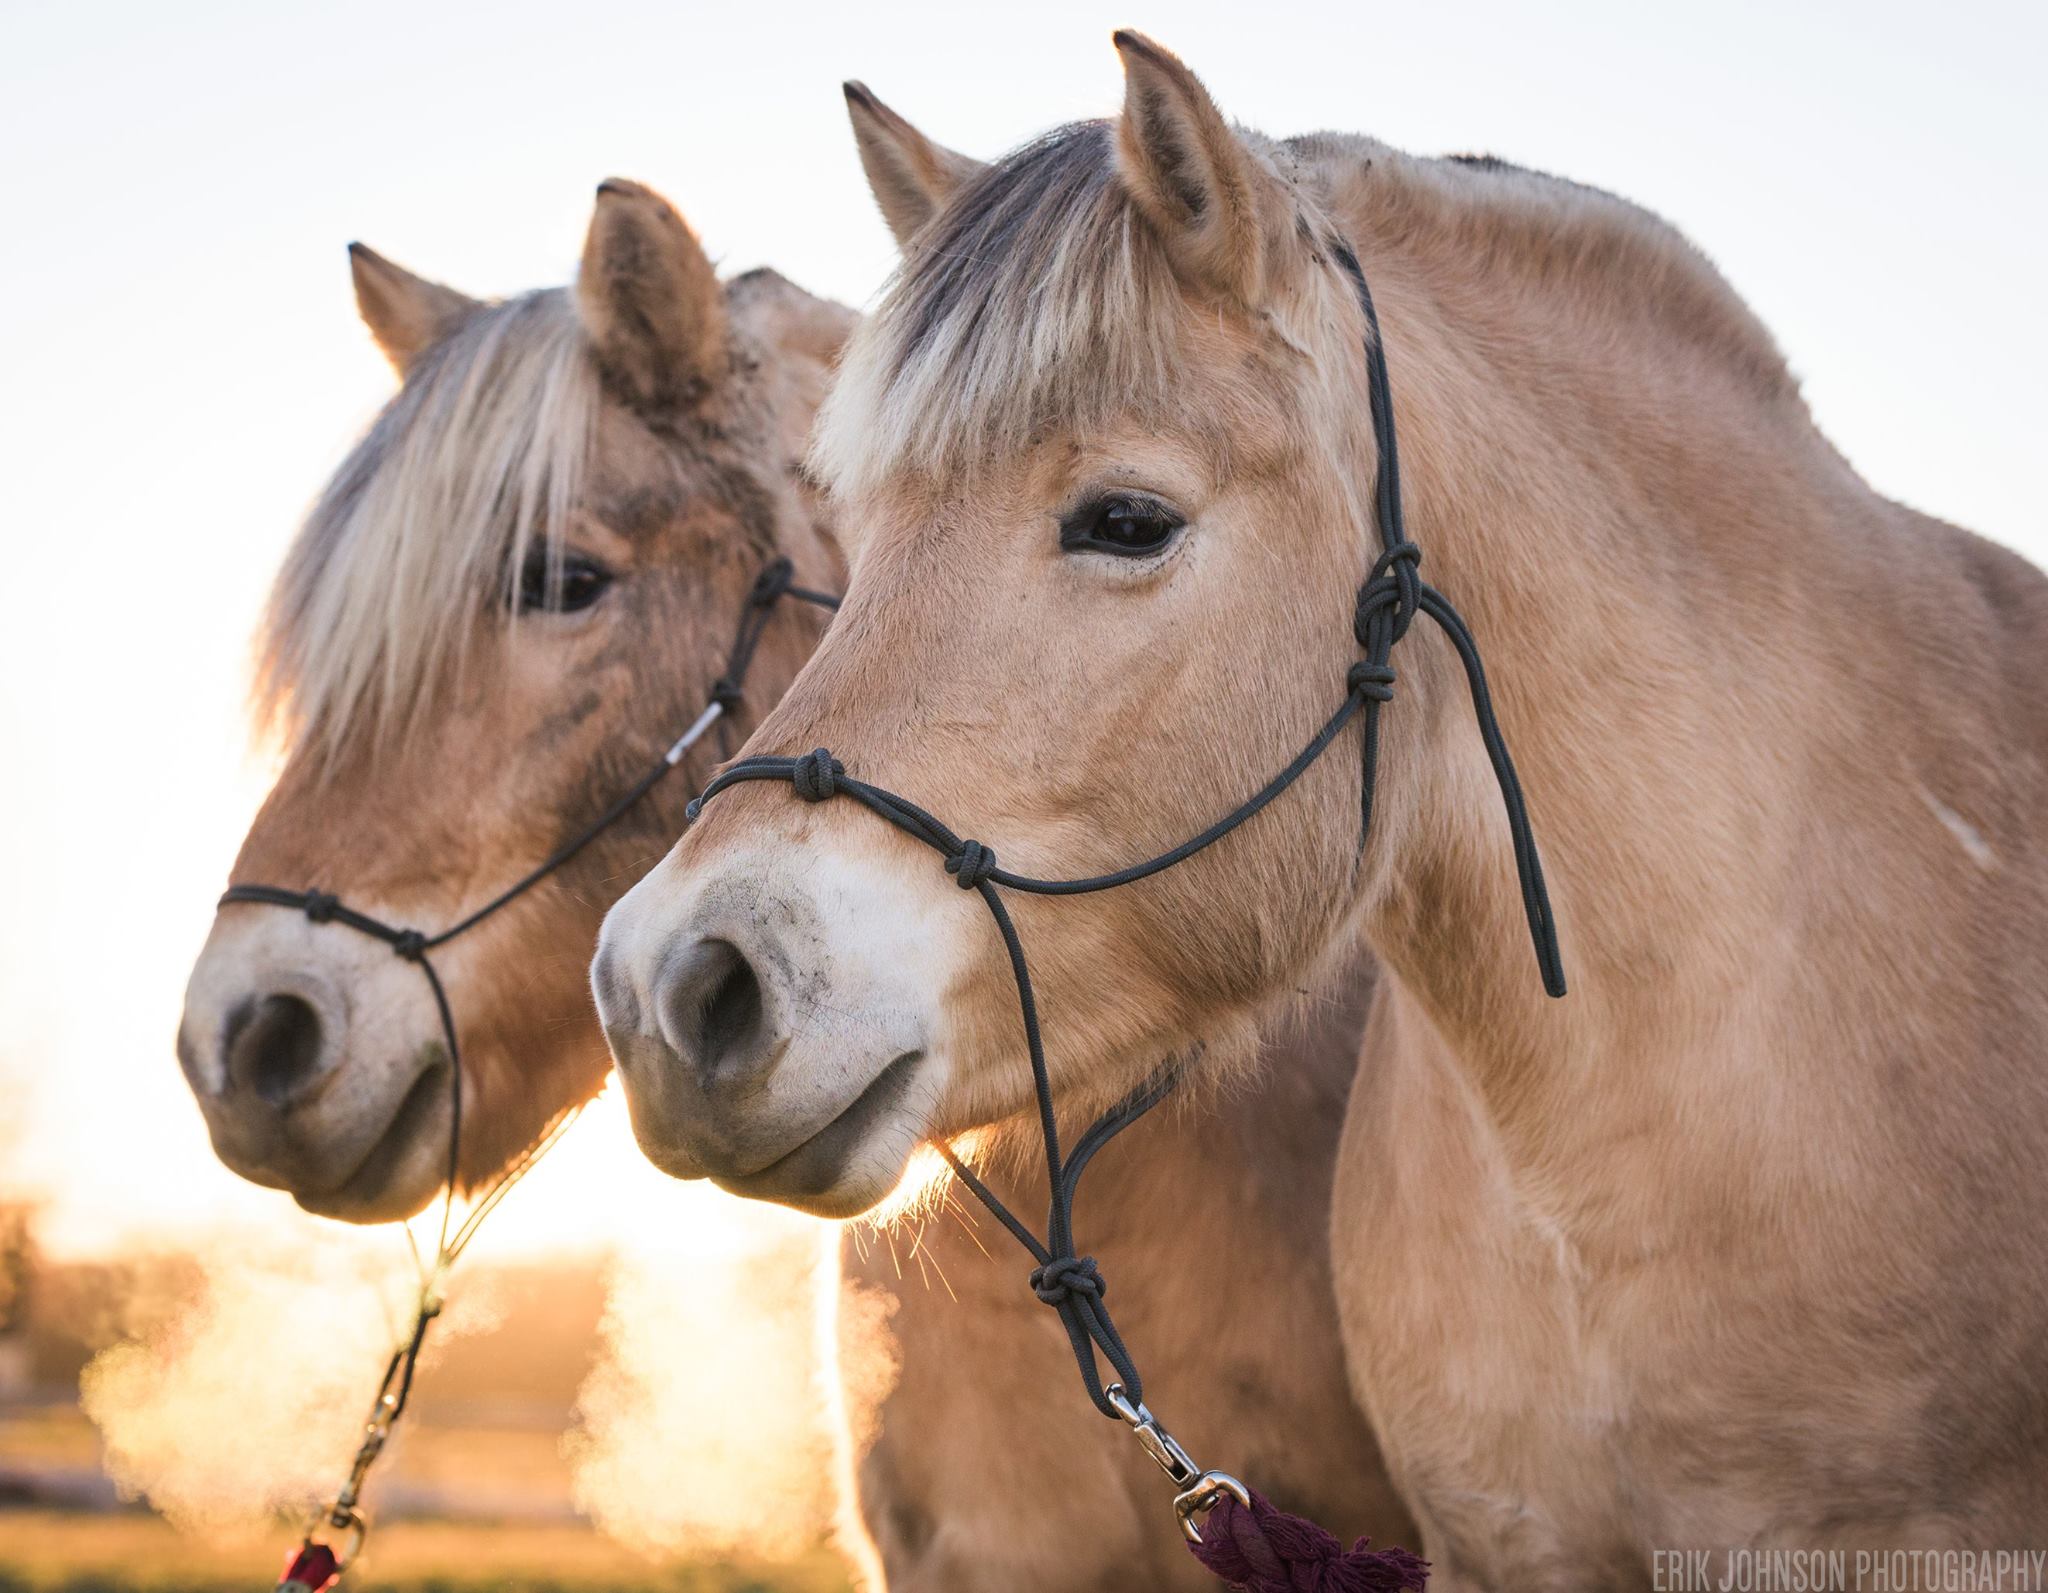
(405, 1166)
(839, 1167)
(855, 1161)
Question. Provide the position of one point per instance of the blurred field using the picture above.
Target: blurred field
(473, 1495)
(53, 1552)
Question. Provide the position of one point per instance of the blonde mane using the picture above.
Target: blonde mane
(425, 526)
(1040, 297)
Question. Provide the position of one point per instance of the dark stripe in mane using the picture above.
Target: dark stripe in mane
(1004, 218)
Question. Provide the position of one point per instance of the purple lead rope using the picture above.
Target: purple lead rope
(1263, 1549)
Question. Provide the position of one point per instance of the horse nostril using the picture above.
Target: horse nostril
(712, 1010)
(732, 1016)
(272, 1046)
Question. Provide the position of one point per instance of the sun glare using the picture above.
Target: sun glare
(922, 1191)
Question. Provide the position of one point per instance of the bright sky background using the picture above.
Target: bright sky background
(180, 363)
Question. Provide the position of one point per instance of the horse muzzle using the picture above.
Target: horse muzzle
(299, 1093)
(763, 1039)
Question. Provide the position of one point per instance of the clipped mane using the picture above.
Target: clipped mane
(425, 525)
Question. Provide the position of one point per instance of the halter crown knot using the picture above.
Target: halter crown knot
(772, 582)
(319, 906)
(816, 775)
(1367, 679)
(1066, 1276)
(971, 865)
(409, 944)
(727, 694)
(1393, 584)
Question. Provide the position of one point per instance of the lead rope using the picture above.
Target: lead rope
(318, 1563)
(1240, 1535)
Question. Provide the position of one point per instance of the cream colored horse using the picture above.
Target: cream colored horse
(1741, 1245)
(453, 710)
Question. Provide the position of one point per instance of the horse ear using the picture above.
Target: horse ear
(805, 334)
(650, 299)
(766, 303)
(1193, 178)
(911, 176)
(407, 315)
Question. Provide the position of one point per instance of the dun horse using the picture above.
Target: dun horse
(515, 593)
(1740, 1245)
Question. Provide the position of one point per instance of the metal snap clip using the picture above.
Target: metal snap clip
(1156, 1441)
(1201, 1498)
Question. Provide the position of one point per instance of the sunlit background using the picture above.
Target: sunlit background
(182, 367)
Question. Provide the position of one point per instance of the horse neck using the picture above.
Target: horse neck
(1702, 631)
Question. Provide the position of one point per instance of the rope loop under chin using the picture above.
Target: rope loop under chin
(1060, 1280)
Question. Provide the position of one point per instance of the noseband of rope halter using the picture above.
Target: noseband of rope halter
(1392, 595)
(775, 582)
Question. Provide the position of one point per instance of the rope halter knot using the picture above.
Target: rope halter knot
(1368, 680)
(410, 944)
(1066, 1276)
(726, 693)
(1392, 584)
(816, 775)
(771, 583)
(972, 865)
(319, 907)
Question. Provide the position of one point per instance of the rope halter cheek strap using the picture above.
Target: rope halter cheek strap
(1240, 1536)
(317, 1564)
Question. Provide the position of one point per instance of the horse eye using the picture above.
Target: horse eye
(579, 582)
(1123, 524)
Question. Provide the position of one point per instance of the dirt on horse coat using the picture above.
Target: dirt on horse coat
(1741, 1244)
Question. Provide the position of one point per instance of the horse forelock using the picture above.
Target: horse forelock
(1038, 298)
(422, 530)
